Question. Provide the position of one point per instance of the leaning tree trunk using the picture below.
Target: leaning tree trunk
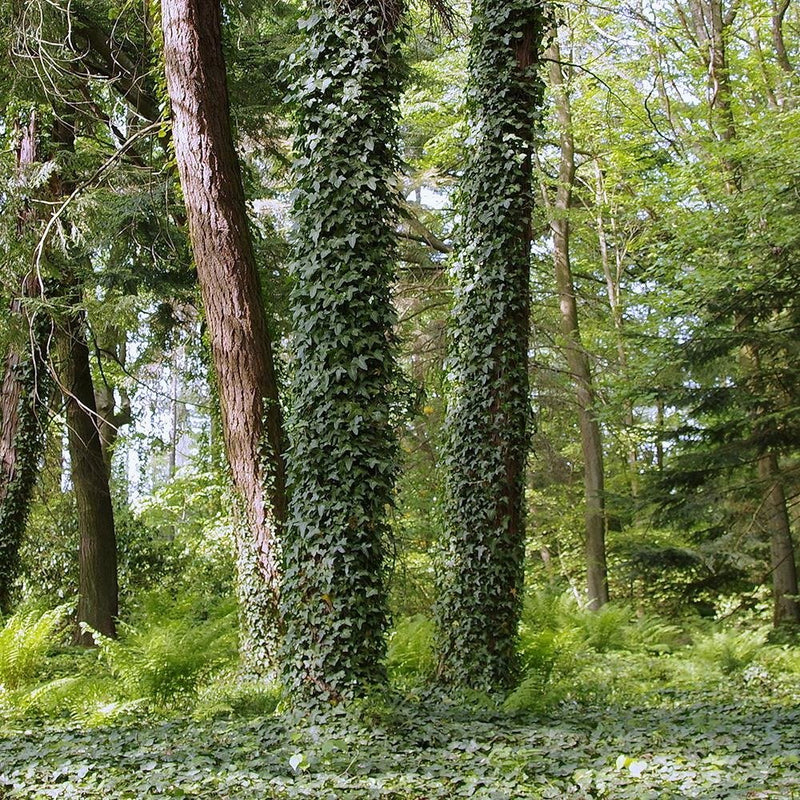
(489, 408)
(23, 405)
(577, 358)
(237, 325)
(97, 581)
(343, 441)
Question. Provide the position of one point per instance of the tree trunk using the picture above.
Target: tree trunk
(238, 331)
(577, 358)
(343, 436)
(779, 9)
(97, 587)
(775, 512)
(786, 609)
(23, 406)
(489, 406)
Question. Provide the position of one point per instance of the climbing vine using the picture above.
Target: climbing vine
(26, 388)
(488, 413)
(342, 445)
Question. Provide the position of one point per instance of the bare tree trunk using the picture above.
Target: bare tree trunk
(775, 513)
(97, 584)
(577, 358)
(786, 607)
(237, 324)
(779, 9)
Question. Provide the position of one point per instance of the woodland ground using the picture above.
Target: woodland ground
(735, 739)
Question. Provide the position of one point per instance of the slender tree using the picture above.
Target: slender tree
(712, 23)
(488, 415)
(343, 447)
(576, 355)
(233, 304)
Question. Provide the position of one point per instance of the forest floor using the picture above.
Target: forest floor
(737, 740)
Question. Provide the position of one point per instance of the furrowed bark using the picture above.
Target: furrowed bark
(237, 325)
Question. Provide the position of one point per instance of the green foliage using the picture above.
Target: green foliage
(730, 651)
(227, 693)
(25, 639)
(488, 415)
(179, 644)
(178, 652)
(410, 658)
(343, 449)
(187, 526)
(567, 651)
(743, 739)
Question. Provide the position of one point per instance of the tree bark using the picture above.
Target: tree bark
(97, 584)
(779, 9)
(237, 325)
(577, 358)
(775, 513)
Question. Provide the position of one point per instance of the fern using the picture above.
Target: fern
(410, 656)
(166, 660)
(730, 651)
(25, 641)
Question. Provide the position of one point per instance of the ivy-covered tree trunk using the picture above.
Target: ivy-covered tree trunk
(342, 443)
(576, 356)
(23, 404)
(237, 325)
(97, 555)
(489, 408)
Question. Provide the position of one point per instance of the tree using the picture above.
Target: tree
(233, 305)
(24, 396)
(489, 411)
(754, 307)
(576, 356)
(98, 590)
(343, 454)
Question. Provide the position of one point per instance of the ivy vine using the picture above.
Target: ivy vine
(32, 376)
(489, 406)
(343, 449)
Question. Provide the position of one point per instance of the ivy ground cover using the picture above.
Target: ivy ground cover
(743, 743)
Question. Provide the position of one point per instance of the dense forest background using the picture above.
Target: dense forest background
(412, 361)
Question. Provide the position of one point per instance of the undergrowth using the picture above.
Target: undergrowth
(177, 656)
